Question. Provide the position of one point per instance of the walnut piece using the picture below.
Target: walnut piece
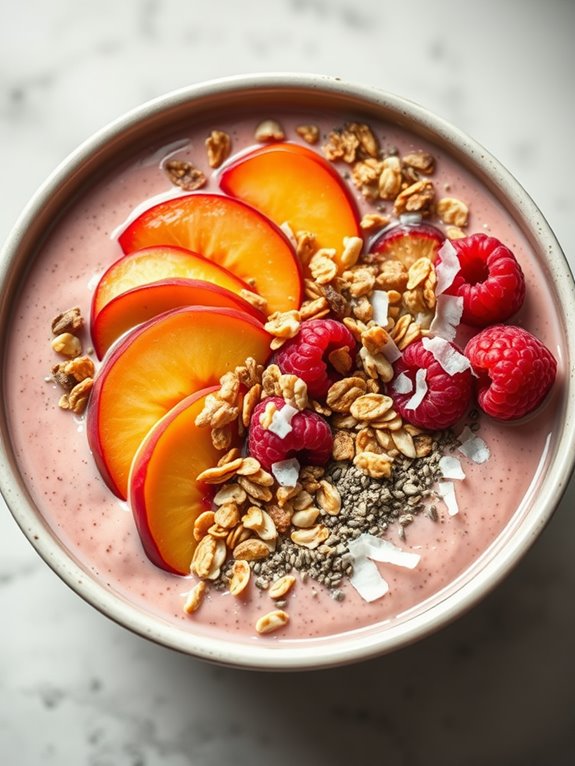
(218, 146)
(185, 175)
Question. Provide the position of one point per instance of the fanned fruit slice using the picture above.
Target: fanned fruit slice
(155, 263)
(153, 368)
(292, 184)
(164, 495)
(230, 233)
(407, 242)
(133, 307)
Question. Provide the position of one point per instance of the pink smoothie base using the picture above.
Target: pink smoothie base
(98, 532)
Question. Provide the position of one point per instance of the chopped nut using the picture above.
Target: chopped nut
(340, 359)
(267, 416)
(270, 380)
(343, 446)
(221, 437)
(67, 345)
(404, 442)
(272, 621)
(393, 275)
(185, 175)
(322, 266)
(309, 133)
(377, 366)
(362, 309)
(281, 587)
(70, 321)
(77, 399)
(343, 393)
(341, 145)
(306, 246)
(352, 247)
(417, 198)
(390, 178)
(366, 441)
(293, 390)
(283, 324)
(421, 161)
(269, 130)
(240, 578)
(251, 550)
(310, 538)
(453, 211)
(250, 372)
(305, 518)
(195, 597)
(368, 143)
(281, 516)
(328, 498)
(80, 368)
(218, 145)
(216, 412)
(337, 303)
(378, 466)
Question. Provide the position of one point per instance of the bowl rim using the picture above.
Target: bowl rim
(351, 648)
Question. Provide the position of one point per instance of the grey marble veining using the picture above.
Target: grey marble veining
(495, 687)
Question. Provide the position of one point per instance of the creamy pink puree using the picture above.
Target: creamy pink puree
(99, 531)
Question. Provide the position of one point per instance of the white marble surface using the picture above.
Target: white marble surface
(496, 687)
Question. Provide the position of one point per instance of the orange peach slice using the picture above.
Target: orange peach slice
(290, 183)
(133, 307)
(164, 495)
(230, 233)
(155, 263)
(153, 368)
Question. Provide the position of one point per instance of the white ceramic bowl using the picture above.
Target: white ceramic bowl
(264, 92)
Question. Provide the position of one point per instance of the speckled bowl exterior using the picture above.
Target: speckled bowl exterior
(265, 92)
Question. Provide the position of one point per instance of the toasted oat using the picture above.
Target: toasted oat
(220, 473)
(254, 300)
(283, 324)
(377, 366)
(341, 145)
(241, 573)
(421, 161)
(392, 276)
(454, 232)
(227, 515)
(251, 398)
(185, 175)
(283, 494)
(204, 556)
(218, 146)
(418, 272)
(230, 493)
(314, 309)
(272, 621)
(202, 524)
(194, 597)
(390, 179)
(362, 309)
(269, 130)
(309, 133)
(370, 406)
(372, 221)
(69, 321)
(281, 587)
(423, 445)
(340, 359)
(250, 467)
(306, 246)
(368, 143)
(322, 266)
(237, 535)
(343, 393)
(255, 490)
(366, 441)
(453, 211)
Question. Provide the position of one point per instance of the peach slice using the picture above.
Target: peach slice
(230, 233)
(155, 263)
(164, 495)
(154, 367)
(142, 303)
(290, 183)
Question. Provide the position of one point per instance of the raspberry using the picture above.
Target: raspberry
(514, 368)
(310, 439)
(447, 398)
(307, 355)
(490, 280)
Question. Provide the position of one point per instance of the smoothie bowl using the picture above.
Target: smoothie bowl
(285, 372)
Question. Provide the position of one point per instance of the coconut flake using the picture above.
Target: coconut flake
(402, 384)
(450, 359)
(420, 390)
(288, 231)
(446, 490)
(410, 218)
(378, 549)
(448, 311)
(473, 447)
(281, 421)
(380, 305)
(450, 467)
(367, 580)
(446, 270)
(390, 351)
(286, 472)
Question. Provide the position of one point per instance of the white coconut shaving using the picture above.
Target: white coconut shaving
(390, 351)
(473, 447)
(366, 577)
(281, 421)
(451, 468)
(446, 270)
(380, 305)
(450, 359)
(448, 311)
(286, 472)
(446, 490)
(410, 218)
(367, 580)
(288, 231)
(378, 549)
(420, 390)
(402, 384)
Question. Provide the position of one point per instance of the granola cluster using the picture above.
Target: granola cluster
(76, 374)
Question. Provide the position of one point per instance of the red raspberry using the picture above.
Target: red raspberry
(310, 439)
(447, 398)
(489, 280)
(307, 355)
(514, 368)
